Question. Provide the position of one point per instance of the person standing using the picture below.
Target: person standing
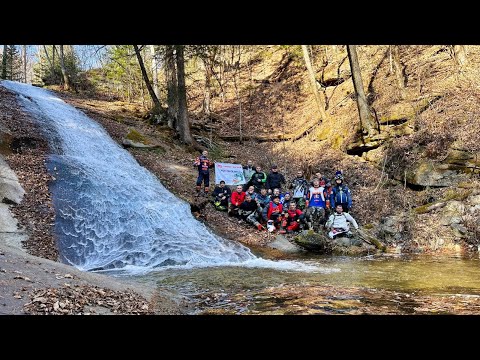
(274, 180)
(315, 213)
(203, 164)
(341, 194)
(258, 179)
(299, 188)
(248, 171)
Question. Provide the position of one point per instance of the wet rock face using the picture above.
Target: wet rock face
(391, 228)
(428, 174)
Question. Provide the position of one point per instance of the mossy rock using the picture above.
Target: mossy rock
(135, 136)
(320, 243)
(312, 241)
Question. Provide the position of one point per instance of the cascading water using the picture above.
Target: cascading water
(111, 213)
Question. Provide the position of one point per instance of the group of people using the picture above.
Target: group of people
(262, 202)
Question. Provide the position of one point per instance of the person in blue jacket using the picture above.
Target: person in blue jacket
(341, 194)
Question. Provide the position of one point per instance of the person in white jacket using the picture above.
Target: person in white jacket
(339, 221)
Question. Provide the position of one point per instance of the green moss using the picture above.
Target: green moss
(135, 136)
(457, 194)
(467, 185)
(323, 132)
(424, 208)
(337, 141)
(368, 226)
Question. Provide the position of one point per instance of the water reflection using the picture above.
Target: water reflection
(374, 284)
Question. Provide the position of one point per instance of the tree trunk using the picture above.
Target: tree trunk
(313, 82)
(48, 57)
(207, 92)
(4, 62)
(183, 123)
(460, 54)
(25, 63)
(156, 102)
(399, 67)
(366, 119)
(154, 71)
(54, 76)
(172, 98)
(235, 85)
(66, 80)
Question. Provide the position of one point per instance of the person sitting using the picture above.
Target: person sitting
(341, 194)
(221, 195)
(263, 199)
(238, 197)
(339, 222)
(274, 180)
(285, 201)
(247, 207)
(292, 219)
(251, 192)
(276, 192)
(273, 212)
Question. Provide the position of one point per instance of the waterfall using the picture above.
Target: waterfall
(112, 213)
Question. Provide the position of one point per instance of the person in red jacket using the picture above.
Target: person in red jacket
(292, 219)
(237, 198)
(203, 164)
(273, 212)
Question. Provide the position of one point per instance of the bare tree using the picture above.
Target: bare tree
(25, 63)
(399, 67)
(183, 122)
(54, 75)
(66, 80)
(313, 82)
(156, 102)
(172, 98)
(236, 67)
(48, 58)
(207, 54)
(4, 62)
(154, 71)
(366, 119)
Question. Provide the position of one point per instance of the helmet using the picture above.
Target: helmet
(339, 177)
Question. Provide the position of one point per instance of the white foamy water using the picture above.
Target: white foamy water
(111, 213)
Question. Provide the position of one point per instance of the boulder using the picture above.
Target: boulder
(11, 192)
(452, 213)
(426, 173)
(391, 228)
(474, 200)
(281, 243)
(322, 244)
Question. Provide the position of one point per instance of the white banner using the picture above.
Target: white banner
(232, 174)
